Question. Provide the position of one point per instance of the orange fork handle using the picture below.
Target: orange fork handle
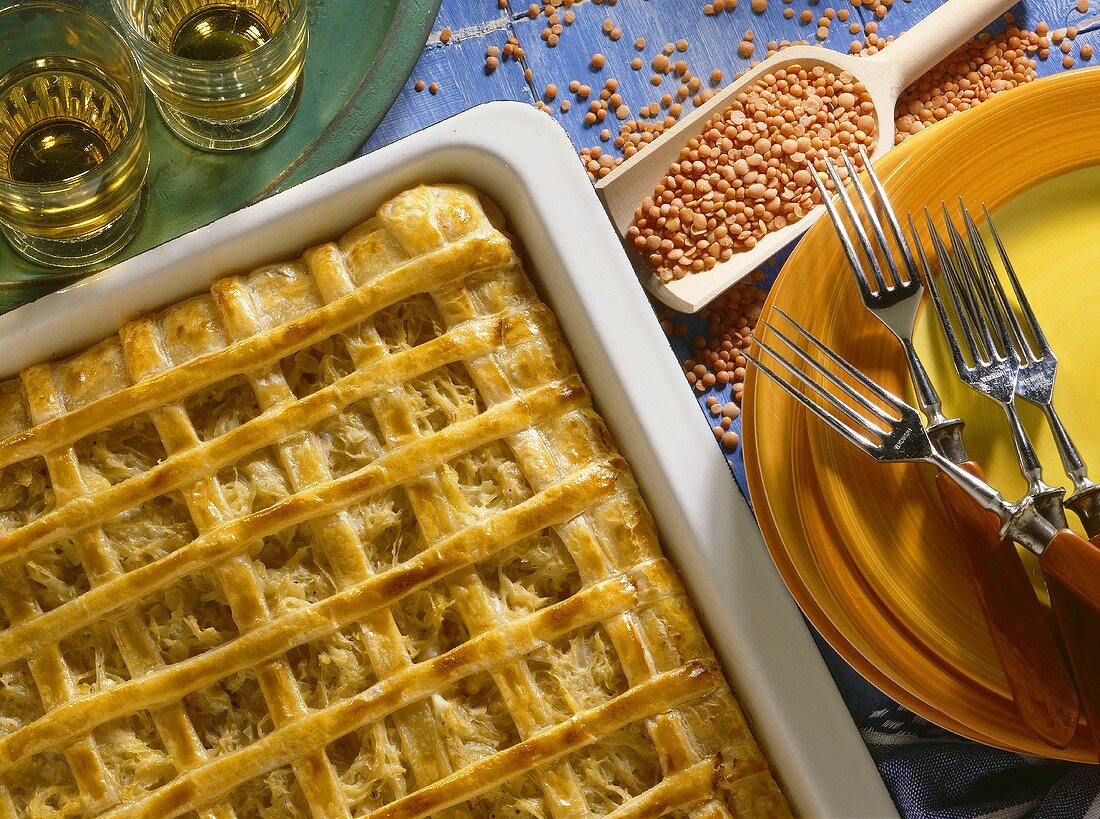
(1075, 563)
(1072, 567)
(1041, 685)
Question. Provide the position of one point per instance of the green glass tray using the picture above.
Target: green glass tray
(360, 55)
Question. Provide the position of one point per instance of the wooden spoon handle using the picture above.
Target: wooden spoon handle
(1026, 644)
(937, 35)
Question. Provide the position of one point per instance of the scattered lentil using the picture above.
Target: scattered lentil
(978, 70)
(445, 36)
(598, 61)
(717, 357)
(433, 89)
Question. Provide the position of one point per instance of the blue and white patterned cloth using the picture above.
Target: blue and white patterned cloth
(934, 774)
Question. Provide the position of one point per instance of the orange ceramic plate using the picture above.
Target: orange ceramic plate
(865, 548)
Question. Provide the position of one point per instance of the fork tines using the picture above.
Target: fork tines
(867, 415)
(879, 254)
(968, 307)
(1033, 344)
(982, 310)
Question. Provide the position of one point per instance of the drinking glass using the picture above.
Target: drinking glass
(226, 74)
(73, 150)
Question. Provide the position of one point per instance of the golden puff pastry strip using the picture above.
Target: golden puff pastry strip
(304, 462)
(237, 576)
(397, 424)
(687, 786)
(204, 459)
(412, 221)
(132, 637)
(655, 696)
(540, 450)
(440, 510)
(54, 682)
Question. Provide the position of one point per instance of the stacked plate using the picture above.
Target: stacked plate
(867, 549)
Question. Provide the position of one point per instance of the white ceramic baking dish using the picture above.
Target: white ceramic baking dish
(525, 163)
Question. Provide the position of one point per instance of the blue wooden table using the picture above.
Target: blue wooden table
(929, 772)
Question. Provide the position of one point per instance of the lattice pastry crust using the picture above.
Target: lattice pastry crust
(345, 536)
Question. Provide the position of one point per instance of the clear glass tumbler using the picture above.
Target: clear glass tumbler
(226, 74)
(73, 150)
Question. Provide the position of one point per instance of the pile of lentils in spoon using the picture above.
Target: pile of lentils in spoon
(748, 172)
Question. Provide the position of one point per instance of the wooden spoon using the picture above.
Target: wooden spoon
(885, 74)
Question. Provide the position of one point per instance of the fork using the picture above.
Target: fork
(1026, 645)
(889, 430)
(993, 368)
(1038, 366)
(1038, 369)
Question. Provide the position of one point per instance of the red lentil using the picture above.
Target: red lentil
(744, 176)
(978, 70)
(718, 356)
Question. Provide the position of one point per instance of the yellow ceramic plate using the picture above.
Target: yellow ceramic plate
(866, 548)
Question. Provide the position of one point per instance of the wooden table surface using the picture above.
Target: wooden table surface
(458, 66)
